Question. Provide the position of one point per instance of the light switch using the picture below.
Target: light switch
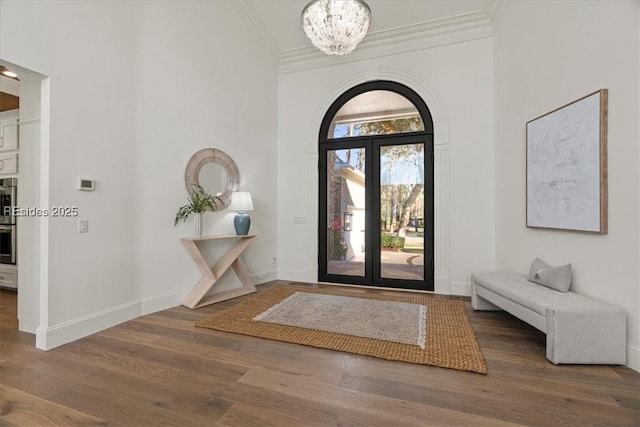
(300, 220)
(83, 226)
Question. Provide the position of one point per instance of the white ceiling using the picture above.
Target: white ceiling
(278, 21)
(381, 103)
(9, 86)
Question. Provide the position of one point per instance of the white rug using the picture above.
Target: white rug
(384, 320)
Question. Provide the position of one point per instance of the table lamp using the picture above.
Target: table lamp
(241, 202)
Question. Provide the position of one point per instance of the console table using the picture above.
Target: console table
(210, 275)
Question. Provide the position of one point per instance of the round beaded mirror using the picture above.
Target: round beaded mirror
(215, 171)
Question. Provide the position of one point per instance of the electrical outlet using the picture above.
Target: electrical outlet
(274, 262)
(83, 226)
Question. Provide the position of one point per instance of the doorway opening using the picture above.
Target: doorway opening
(26, 129)
(9, 121)
(376, 209)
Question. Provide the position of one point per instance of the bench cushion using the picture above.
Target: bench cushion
(517, 288)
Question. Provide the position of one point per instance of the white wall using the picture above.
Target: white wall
(456, 83)
(635, 363)
(86, 50)
(135, 89)
(546, 55)
(202, 82)
(29, 231)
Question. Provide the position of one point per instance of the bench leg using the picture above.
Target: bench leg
(586, 335)
(479, 303)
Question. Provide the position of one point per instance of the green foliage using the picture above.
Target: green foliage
(200, 201)
(392, 242)
(390, 126)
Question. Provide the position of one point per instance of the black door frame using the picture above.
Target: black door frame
(372, 145)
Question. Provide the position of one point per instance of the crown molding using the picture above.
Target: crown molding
(315, 59)
(430, 28)
(259, 30)
(490, 8)
(438, 32)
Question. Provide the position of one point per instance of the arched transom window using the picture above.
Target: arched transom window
(377, 112)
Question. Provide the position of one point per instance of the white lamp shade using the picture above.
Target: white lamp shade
(241, 201)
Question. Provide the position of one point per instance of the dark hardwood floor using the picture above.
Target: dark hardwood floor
(8, 309)
(161, 370)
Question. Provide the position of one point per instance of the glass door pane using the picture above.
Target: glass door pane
(346, 212)
(402, 212)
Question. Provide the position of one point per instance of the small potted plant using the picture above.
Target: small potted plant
(200, 201)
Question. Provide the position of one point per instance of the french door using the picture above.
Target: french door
(376, 211)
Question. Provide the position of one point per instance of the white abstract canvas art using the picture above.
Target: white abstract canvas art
(566, 167)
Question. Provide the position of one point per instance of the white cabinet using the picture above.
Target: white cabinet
(8, 276)
(8, 163)
(8, 134)
(9, 142)
(9, 145)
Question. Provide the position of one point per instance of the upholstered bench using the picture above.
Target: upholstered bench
(579, 329)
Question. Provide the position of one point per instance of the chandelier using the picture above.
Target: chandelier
(336, 26)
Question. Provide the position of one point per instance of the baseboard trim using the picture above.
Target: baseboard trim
(161, 302)
(268, 276)
(63, 333)
(294, 276)
(66, 332)
(633, 357)
(442, 285)
(460, 288)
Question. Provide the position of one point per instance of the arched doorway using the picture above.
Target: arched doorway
(376, 210)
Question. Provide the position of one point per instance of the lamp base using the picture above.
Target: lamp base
(242, 222)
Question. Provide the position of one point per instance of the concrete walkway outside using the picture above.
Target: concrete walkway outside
(395, 265)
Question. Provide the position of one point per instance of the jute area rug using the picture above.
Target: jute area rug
(449, 341)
